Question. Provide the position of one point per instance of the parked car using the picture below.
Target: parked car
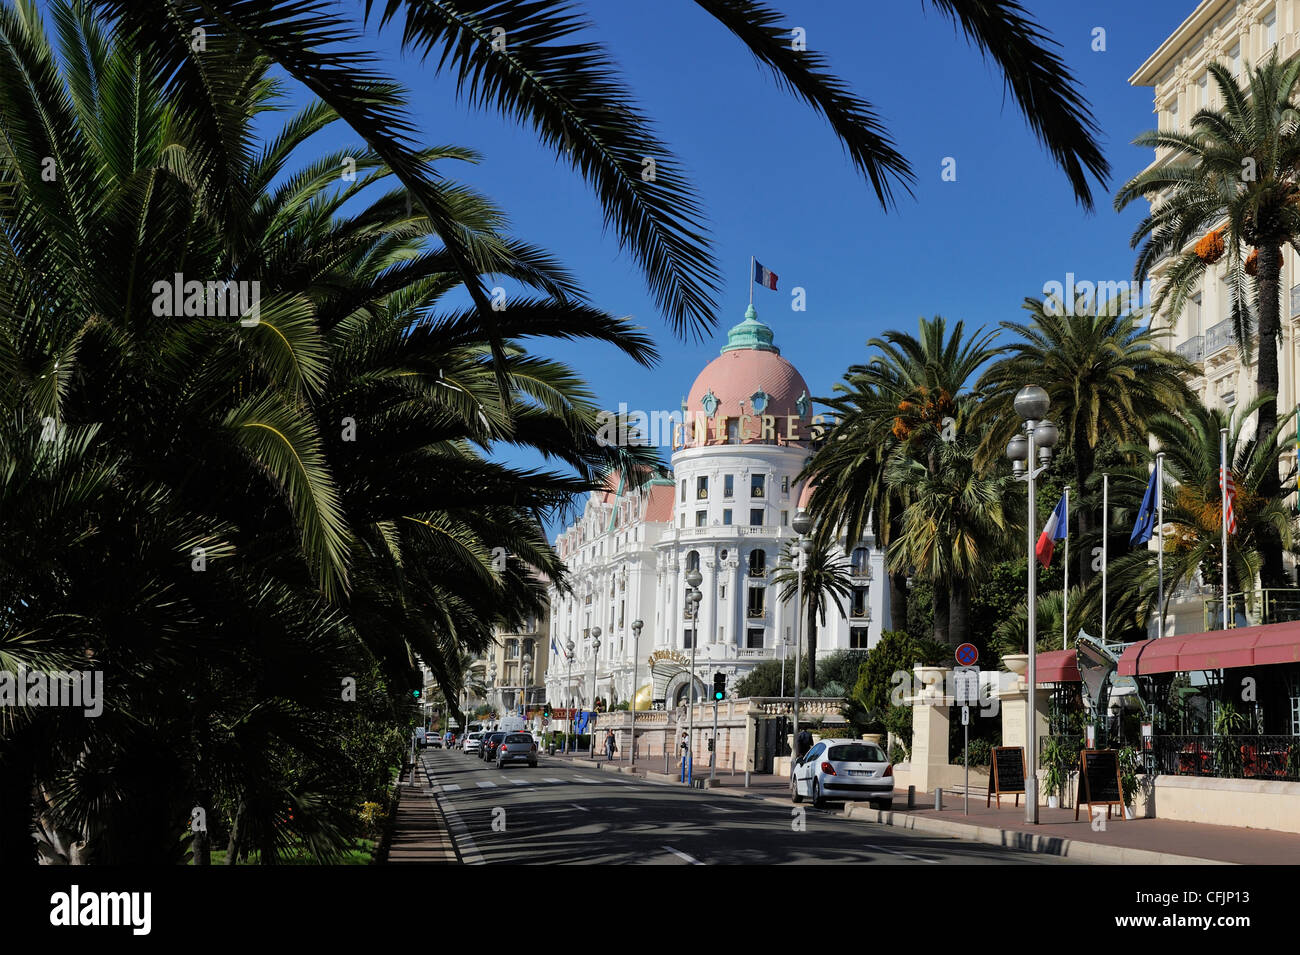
(839, 770)
(433, 739)
(515, 747)
(490, 744)
(473, 742)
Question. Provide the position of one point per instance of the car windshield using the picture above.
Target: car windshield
(518, 738)
(497, 737)
(856, 753)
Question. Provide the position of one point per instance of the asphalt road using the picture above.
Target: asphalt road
(555, 814)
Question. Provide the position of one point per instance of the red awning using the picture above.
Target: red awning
(1057, 666)
(1246, 646)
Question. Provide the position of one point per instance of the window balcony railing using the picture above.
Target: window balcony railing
(860, 613)
(1218, 337)
(758, 571)
(1193, 349)
(756, 613)
(861, 572)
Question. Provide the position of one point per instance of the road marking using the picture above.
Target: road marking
(487, 785)
(576, 806)
(451, 788)
(903, 854)
(519, 782)
(552, 779)
(580, 779)
(723, 809)
(682, 855)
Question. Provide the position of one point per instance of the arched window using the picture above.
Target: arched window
(757, 563)
(693, 560)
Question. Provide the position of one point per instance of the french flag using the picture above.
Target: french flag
(764, 277)
(1056, 529)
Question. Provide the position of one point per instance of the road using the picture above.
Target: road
(556, 813)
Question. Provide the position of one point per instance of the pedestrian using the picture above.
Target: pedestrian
(804, 742)
(685, 744)
(610, 745)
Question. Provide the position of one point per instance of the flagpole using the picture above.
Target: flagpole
(1160, 532)
(751, 280)
(1105, 529)
(1223, 514)
(1065, 589)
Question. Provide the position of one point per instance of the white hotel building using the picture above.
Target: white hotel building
(726, 512)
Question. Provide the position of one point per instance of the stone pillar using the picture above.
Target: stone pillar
(737, 599)
(709, 603)
(929, 727)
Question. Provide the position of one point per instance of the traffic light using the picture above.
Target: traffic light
(719, 685)
(417, 683)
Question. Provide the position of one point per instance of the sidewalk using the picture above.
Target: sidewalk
(1123, 842)
(419, 828)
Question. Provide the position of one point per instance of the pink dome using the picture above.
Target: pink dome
(747, 382)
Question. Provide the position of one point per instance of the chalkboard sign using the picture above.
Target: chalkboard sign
(1006, 774)
(1099, 783)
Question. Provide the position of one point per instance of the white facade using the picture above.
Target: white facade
(727, 513)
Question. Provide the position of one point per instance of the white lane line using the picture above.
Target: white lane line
(485, 784)
(461, 836)
(723, 809)
(519, 782)
(450, 788)
(903, 854)
(580, 779)
(576, 806)
(682, 855)
(552, 779)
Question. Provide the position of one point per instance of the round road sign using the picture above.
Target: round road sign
(967, 654)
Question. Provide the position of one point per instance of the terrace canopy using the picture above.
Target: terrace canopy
(1273, 643)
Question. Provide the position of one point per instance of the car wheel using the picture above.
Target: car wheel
(794, 791)
(532, 763)
(817, 800)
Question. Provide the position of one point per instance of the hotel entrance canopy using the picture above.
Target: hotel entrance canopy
(1272, 643)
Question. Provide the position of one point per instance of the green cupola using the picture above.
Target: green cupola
(751, 334)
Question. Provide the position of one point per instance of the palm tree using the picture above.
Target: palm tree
(532, 64)
(826, 579)
(1105, 374)
(266, 508)
(903, 403)
(1193, 502)
(1234, 170)
(952, 531)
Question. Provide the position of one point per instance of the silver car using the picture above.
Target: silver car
(473, 741)
(516, 747)
(839, 770)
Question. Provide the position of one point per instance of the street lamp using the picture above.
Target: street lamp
(528, 679)
(802, 524)
(1031, 404)
(492, 681)
(595, 651)
(693, 596)
(636, 651)
(568, 681)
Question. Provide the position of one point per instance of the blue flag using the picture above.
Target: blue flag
(1146, 516)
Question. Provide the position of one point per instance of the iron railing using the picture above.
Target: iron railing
(1228, 757)
(1253, 607)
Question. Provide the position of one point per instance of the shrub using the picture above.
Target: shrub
(897, 754)
(981, 753)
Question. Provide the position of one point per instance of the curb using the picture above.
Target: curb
(1026, 841)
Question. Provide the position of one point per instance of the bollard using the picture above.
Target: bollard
(733, 764)
(747, 779)
(665, 758)
(911, 797)
(938, 800)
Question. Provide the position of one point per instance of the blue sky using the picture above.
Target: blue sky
(776, 184)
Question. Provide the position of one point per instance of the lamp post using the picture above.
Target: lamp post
(492, 685)
(568, 680)
(1040, 435)
(595, 651)
(528, 679)
(636, 651)
(802, 524)
(693, 595)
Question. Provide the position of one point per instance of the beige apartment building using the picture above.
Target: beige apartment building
(1238, 33)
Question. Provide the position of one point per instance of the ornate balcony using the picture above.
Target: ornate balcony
(1193, 349)
(1218, 337)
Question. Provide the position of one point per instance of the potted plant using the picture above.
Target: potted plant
(1055, 755)
(1129, 763)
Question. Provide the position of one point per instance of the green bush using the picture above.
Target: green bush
(981, 753)
(897, 754)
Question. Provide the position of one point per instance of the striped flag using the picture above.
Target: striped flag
(1230, 514)
(764, 277)
(1057, 528)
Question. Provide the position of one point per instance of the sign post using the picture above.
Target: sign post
(966, 689)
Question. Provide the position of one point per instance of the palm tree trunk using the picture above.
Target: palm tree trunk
(940, 602)
(1268, 308)
(897, 600)
(959, 613)
(236, 836)
(812, 646)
